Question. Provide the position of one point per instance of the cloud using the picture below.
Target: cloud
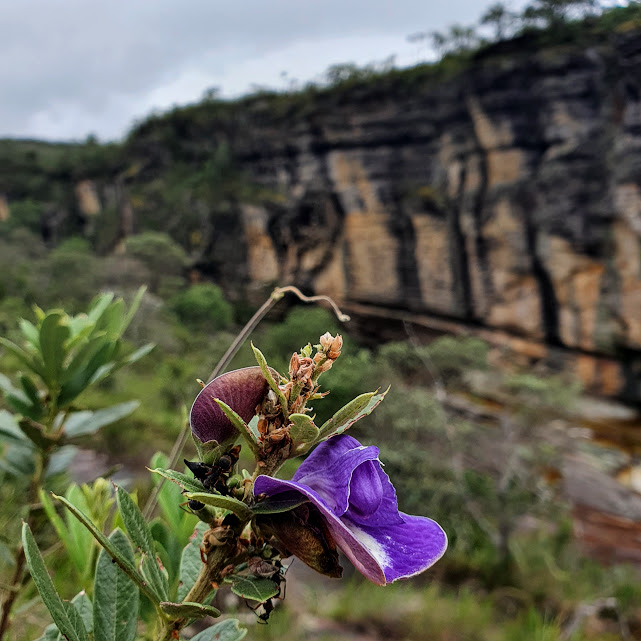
(72, 67)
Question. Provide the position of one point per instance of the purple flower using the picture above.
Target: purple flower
(242, 389)
(345, 482)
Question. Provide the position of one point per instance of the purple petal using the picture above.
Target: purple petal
(349, 477)
(326, 454)
(242, 390)
(402, 550)
(365, 490)
(346, 541)
(346, 483)
(382, 554)
(333, 481)
(387, 511)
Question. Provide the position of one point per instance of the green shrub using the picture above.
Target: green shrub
(159, 253)
(203, 307)
(73, 272)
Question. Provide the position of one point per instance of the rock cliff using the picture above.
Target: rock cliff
(505, 197)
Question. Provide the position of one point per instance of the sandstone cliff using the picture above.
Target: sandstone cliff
(505, 198)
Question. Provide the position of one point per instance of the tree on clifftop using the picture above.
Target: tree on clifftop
(501, 19)
(551, 13)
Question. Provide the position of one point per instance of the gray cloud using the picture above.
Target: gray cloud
(71, 67)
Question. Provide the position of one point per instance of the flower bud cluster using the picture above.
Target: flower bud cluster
(328, 351)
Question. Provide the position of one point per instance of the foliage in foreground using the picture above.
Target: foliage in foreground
(547, 582)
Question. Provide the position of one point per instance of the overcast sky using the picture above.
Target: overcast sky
(69, 68)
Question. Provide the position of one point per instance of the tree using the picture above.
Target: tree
(439, 43)
(500, 18)
(463, 38)
(555, 12)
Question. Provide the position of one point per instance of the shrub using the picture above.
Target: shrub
(203, 307)
(159, 253)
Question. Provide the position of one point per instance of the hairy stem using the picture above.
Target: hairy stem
(209, 577)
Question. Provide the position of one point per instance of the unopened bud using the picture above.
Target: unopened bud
(335, 348)
(326, 341)
(294, 364)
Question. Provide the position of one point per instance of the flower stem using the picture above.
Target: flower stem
(210, 575)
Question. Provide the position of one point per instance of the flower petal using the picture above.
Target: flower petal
(242, 389)
(329, 469)
(384, 545)
(401, 550)
(365, 490)
(338, 471)
(357, 553)
(387, 511)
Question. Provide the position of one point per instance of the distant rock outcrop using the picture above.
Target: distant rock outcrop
(506, 197)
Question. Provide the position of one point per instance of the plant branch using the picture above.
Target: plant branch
(210, 576)
(252, 323)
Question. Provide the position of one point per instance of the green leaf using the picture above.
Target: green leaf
(61, 460)
(188, 610)
(83, 606)
(33, 363)
(10, 430)
(81, 539)
(82, 423)
(138, 354)
(76, 620)
(253, 588)
(208, 452)
(18, 461)
(115, 603)
(53, 334)
(31, 333)
(185, 482)
(83, 356)
(190, 562)
(6, 386)
(112, 318)
(170, 498)
(51, 634)
(30, 389)
(141, 536)
(278, 503)
(224, 502)
(348, 415)
(19, 400)
(76, 555)
(267, 373)
(98, 306)
(124, 563)
(227, 630)
(80, 327)
(303, 431)
(47, 591)
(239, 424)
(133, 308)
(98, 366)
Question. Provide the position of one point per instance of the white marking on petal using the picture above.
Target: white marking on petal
(372, 544)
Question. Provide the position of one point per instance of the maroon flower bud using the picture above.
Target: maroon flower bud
(242, 389)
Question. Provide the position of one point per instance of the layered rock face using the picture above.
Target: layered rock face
(507, 197)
